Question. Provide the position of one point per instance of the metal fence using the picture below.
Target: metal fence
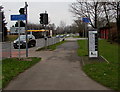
(6, 50)
(50, 41)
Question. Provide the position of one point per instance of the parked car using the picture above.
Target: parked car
(31, 41)
(57, 36)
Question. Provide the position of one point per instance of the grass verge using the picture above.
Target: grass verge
(104, 73)
(11, 37)
(51, 47)
(13, 66)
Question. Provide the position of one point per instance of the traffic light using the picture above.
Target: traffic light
(21, 11)
(41, 18)
(44, 18)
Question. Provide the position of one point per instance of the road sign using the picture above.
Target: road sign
(86, 20)
(93, 44)
(18, 17)
(16, 30)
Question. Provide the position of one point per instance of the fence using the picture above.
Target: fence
(50, 41)
(5, 50)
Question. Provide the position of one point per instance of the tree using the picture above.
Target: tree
(116, 7)
(91, 10)
(112, 11)
(52, 27)
(62, 26)
(80, 27)
(4, 28)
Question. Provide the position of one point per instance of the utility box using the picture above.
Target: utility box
(93, 43)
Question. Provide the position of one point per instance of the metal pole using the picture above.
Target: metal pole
(3, 39)
(45, 39)
(85, 31)
(19, 37)
(10, 50)
(1, 26)
(26, 5)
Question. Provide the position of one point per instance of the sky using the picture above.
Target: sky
(58, 10)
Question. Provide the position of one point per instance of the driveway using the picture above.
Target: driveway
(58, 70)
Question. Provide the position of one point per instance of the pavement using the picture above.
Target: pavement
(58, 70)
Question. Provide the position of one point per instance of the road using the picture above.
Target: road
(7, 49)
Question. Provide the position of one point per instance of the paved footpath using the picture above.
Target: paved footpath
(58, 70)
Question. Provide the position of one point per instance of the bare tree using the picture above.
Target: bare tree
(3, 21)
(91, 10)
(62, 26)
(116, 8)
(112, 12)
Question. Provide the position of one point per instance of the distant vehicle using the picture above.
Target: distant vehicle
(57, 36)
(67, 35)
(49, 37)
(31, 41)
(61, 36)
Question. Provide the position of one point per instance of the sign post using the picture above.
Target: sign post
(18, 18)
(85, 20)
(93, 44)
(26, 5)
(19, 37)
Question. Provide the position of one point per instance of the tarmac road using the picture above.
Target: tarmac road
(7, 50)
(58, 70)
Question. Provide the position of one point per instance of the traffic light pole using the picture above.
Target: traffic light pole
(45, 38)
(26, 5)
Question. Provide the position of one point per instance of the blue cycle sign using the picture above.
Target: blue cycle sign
(86, 20)
(18, 17)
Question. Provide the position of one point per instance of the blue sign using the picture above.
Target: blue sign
(86, 20)
(18, 17)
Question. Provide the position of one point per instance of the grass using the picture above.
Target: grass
(11, 37)
(83, 50)
(13, 66)
(78, 37)
(0, 75)
(51, 47)
(104, 73)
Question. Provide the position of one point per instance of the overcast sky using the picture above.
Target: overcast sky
(57, 10)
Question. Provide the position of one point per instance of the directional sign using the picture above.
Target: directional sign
(86, 20)
(18, 17)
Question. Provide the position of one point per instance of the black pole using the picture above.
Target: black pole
(26, 5)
